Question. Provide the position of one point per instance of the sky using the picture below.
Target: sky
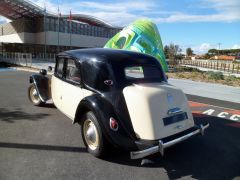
(198, 24)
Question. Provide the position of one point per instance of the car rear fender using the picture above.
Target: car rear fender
(103, 110)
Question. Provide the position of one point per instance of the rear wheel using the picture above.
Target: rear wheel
(34, 96)
(92, 135)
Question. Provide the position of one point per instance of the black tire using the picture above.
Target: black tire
(34, 96)
(99, 148)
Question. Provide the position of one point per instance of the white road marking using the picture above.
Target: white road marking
(222, 114)
(235, 117)
(209, 111)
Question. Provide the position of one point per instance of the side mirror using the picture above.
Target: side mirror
(50, 68)
(43, 72)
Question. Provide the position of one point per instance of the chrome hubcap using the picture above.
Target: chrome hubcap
(91, 134)
(34, 95)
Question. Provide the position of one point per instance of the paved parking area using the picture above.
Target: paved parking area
(42, 143)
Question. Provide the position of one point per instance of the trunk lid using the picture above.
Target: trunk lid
(157, 110)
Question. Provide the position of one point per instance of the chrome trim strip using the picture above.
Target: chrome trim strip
(162, 146)
(174, 111)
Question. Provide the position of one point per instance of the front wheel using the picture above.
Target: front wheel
(34, 96)
(92, 135)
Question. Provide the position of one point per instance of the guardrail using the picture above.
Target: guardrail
(226, 67)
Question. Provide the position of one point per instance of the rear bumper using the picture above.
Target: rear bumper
(165, 143)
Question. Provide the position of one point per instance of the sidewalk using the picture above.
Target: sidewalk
(208, 90)
(42, 64)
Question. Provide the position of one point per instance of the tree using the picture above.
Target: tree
(207, 56)
(213, 52)
(189, 52)
(172, 52)
(166, 51)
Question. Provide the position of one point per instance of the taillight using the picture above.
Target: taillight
(113, 124)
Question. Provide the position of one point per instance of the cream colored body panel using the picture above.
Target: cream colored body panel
(71, 97)
(67, 97)
(56, 84)
(148, 104)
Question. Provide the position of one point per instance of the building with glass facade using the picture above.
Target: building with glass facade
(33, 30)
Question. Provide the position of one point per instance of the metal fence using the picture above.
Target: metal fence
(28, 60)
(226, 67)
(23, 59)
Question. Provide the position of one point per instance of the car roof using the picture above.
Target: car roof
(107, 55)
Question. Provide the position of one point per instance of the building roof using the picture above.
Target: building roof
(223, 57)
(89, 20)
(16, 9)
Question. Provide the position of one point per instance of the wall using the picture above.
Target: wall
(52, 39)
(64, 39)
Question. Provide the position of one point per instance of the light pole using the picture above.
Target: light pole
(219, 44)
(58, 26)
(70, 18)
(44, 29)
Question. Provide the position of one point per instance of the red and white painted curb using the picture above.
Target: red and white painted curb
(200, 109)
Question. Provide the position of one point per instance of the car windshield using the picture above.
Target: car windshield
(143, 74)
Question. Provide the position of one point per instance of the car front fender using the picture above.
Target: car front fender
(42, 84)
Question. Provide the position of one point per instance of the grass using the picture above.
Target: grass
(210, 76)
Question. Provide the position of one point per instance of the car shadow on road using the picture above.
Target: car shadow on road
(42, 147)
(17, 114)
(213, 156)
(49, 105)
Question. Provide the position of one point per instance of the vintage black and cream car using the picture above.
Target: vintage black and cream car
(120, 98)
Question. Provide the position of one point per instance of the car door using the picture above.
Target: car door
(72, 92)
(57, 81)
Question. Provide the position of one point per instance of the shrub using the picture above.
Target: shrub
(187, 69)
(231, 78)
(215, 75)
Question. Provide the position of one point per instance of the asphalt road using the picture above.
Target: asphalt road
(41, 143)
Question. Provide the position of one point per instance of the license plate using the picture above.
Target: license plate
(175, 118)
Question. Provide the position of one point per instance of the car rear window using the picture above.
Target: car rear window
(143, 73)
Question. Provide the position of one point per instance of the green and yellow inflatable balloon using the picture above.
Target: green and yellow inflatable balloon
(142, 36)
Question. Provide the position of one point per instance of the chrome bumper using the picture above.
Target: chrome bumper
(162, 146)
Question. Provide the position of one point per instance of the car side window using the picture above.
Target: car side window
(59, 67)
(72, 72)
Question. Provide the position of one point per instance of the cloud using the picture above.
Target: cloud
(50, 7)
(202, 48)
(236, 46)
(223, 6)
(181, 17)
(227, 8)
(116, 7)
(123, 12)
